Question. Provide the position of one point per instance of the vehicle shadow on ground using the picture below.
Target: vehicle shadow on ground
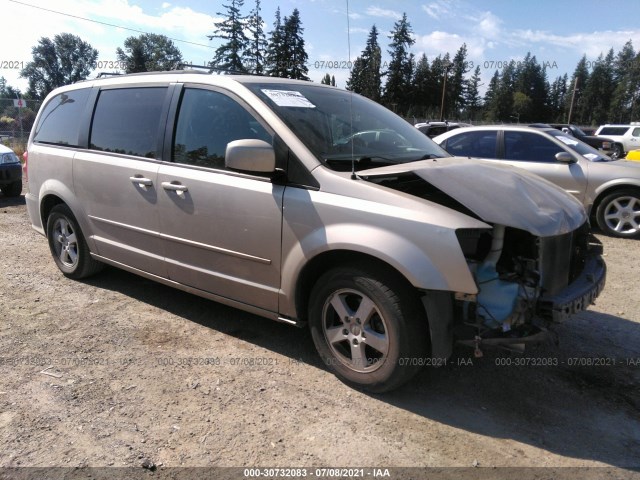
(11, 201)
(552, 407)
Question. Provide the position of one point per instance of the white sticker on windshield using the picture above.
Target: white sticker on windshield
(288, 98)
(590, 156)
(567, 140)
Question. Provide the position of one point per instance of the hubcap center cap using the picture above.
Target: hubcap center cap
(355, 330)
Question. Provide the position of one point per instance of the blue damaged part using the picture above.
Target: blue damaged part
(496, 298)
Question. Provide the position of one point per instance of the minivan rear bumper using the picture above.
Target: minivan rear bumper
(34, 212)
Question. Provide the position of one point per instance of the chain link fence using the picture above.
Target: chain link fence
(16, 121)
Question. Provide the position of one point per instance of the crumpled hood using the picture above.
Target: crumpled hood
(497, 194)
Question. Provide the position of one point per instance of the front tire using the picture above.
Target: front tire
(618, 214)
(617, 152)
(369, 327)
(68, 246)
(13, 189)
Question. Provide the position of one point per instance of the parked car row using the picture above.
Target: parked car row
(609, 190)
(610, 147)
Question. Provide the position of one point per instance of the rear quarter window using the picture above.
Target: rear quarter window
(127, 121)
(613, 131)
(59, 122)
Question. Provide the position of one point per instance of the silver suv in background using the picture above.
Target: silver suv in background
(307, 204)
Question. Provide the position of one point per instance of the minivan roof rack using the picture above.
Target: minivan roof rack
(108, 74)
(209, 69)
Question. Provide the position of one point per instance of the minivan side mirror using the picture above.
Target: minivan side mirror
(250, 155)
(565, 157)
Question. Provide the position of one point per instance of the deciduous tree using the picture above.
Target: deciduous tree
(149, 52)
(56, 62)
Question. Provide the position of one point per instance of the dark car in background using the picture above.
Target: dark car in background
(606, 145)
(432, 129)
(10, 172)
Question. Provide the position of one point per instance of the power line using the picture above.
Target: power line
(105, 23)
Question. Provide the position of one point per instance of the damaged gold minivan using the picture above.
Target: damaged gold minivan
(310, 205)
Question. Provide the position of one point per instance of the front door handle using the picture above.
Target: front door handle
(175, 187)
(142, 181)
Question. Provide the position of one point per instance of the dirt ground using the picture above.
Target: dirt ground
(120, 371)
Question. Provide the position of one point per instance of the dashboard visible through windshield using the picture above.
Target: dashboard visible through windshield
(342, 128)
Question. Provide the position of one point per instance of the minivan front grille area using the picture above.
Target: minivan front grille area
(562, 259)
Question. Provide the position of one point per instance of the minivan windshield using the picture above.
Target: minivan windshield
(341, 127)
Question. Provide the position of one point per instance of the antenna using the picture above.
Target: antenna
(353, 161)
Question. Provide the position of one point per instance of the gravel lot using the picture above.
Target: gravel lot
(120, 371)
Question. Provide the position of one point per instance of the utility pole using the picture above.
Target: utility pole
(573, 96)
(444, 88)
(20, 115)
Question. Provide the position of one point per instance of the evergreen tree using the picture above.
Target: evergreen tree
(472, 100)
(530, 79)
(397, 90)
(257, 43)
(229, 55)
(490, 96)
(499, 99)
(457, 86)
(365, 77)
(505, 94)
(423, 88)
(581, 75)
(598, 91)
(276, 49)
(557, 98)
(441, 74)
(294, 44)
(333, 80)
(624, 80)
(326, 80)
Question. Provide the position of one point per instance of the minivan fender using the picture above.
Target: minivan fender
(446, 271)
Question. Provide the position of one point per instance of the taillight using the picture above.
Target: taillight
(25, 157)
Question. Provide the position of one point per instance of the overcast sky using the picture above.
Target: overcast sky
(558, 33)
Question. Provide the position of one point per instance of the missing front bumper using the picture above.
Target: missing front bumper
(578, 295)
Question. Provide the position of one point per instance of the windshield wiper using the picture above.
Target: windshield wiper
(428, 156)
(361, 162)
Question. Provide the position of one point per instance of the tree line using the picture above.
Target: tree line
(601, 91)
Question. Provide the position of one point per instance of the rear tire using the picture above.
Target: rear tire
(13, 189)
(68, 246)
(369, 327)
(618, 214)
